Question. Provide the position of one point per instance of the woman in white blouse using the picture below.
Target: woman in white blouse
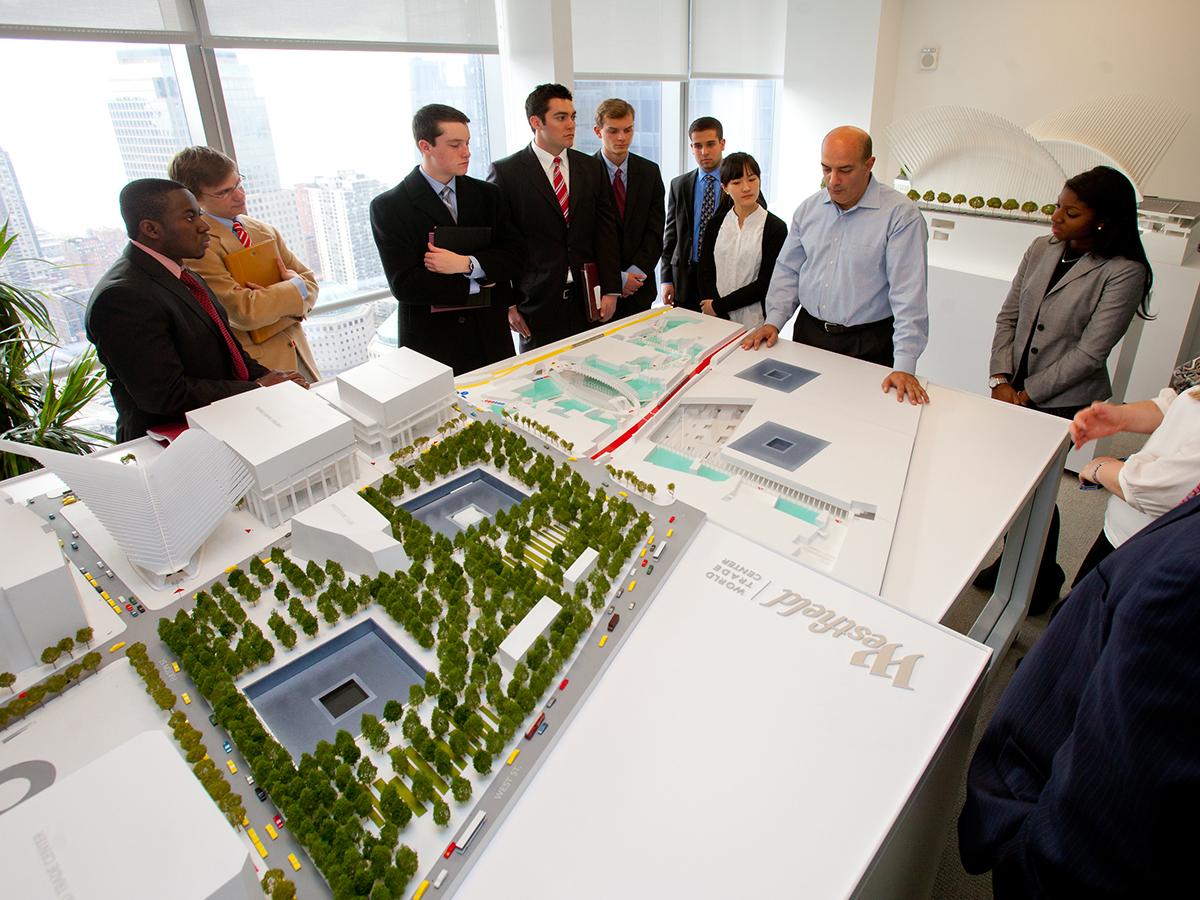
(1156, 479)
(739, 247)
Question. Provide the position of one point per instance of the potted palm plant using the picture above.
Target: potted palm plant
(38, 401)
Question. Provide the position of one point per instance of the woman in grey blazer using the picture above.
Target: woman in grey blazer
(1074, 296)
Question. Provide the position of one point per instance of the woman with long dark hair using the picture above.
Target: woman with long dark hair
(740, 246)
(1075, 293)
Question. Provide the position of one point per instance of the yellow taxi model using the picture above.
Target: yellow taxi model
(271, 832)
(115, 647)
(603, 640)
(632, 584)
(174, 667)
(187, 700)
(513, 756)
(295, 862)
(232, 766)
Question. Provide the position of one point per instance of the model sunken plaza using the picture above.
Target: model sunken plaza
(373, 741)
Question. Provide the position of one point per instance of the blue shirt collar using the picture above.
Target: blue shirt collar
(437, 185)
(869, 199)
(613, 167)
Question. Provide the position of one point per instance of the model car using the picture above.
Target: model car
(228, 747)
(295, 862)
(650, 571)
(74, 533)
(620, 591)
(74, 545)
(260, 794)
(134, 613)
(632, 604)
(141, 608)
(542, 728)
(212, 719)
(611, 610)
(278, 820)
(565, 682)
(174, 667)
(129, 607)
(52, 516)
(186, 698)
(551, 702)
(250, 779)
(672, 519)
(231, 766)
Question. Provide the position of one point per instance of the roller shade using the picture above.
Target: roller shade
(630, 39)
(128, 15)
(738, 40)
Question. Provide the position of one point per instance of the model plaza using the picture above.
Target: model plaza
(498, 635)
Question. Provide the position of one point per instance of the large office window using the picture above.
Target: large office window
(746, 108)
(81, 121)
(647, 100)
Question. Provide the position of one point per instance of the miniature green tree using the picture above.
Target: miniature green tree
(422, 787)
(441, 813)
(928, 196)
(976, 202)
(482, 762)
(1010, 204)
(461, 788)
(50, 656)
(913, 195)
(1048, 209)
(392, 711)
(367, 772)
(406, 862)
(416, 696)
(8, 679)
(85, 636)
(959, 199)
(993, 203)
(943, 197)
(1029, 207)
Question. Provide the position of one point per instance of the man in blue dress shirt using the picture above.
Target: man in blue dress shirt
(692, 200)
(855, 264)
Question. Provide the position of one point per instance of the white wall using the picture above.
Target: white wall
(1023, 59)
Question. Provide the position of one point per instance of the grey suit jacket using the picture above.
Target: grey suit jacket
(1077, 323)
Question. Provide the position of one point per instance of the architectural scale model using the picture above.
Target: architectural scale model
(718, 429)
(39, 602)
(389, 676)
(162, 512)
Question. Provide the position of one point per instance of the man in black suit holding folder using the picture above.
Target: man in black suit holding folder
(448, 249)
(562, 205)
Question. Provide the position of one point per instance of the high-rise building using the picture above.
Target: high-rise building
(17, 265)
(147, 112)
(338, 209)
(456, 81)
(255, 151)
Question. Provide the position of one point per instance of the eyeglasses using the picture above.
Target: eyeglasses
(239, 185)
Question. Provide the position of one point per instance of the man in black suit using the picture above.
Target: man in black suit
(561, 203)
(1089, 770)
(440, 291)
(159, 331)
(693, 199)
(638, 200)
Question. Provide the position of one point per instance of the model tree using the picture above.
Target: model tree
(441, 813)
(392, 711)
(461, 788)
(406, 862)
(84, 636)
(50, 656)
(8, 679)
(959, 199)
(1029, 207)
(976, 202)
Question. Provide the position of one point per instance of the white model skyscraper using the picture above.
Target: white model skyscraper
(159, 513)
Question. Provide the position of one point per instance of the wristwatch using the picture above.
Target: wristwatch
(470, 267)
(996, 380)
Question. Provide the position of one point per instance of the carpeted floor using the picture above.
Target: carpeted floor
(1082, 517)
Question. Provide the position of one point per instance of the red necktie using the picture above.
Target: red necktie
(201, 295)
(619, 194)
(560, 190)
(241, 233)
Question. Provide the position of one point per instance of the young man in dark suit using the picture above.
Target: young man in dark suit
(159, 331)
(561, 203)
(693, 200)
(1089, 770)
(453, 306)
(638, 192)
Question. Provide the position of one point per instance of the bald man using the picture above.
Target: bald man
(855, 263)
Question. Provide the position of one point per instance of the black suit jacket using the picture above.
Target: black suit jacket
(401, 220)
(774, 234)
(640, 232)
(551, 247)
(1089, 770)
(163, 354)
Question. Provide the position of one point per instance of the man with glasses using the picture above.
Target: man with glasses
(265, 317)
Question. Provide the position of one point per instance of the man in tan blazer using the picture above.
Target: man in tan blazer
(265, 319)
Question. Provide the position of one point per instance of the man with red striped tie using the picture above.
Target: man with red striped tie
(562, 204)
(159, 331)
(266, 318)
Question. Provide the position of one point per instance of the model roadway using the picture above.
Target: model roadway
(497, 797)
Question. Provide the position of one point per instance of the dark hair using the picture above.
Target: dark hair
(538, 101)
(735, 165)
(145, 198)
(707, 123)
(1113, 201)
(197, 168)
(427, 121)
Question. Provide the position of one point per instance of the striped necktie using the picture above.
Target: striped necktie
(242, 234)
(560, 190)
(192, 283)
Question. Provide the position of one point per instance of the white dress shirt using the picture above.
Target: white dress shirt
(737, 256)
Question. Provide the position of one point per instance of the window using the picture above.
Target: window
(746, 108)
